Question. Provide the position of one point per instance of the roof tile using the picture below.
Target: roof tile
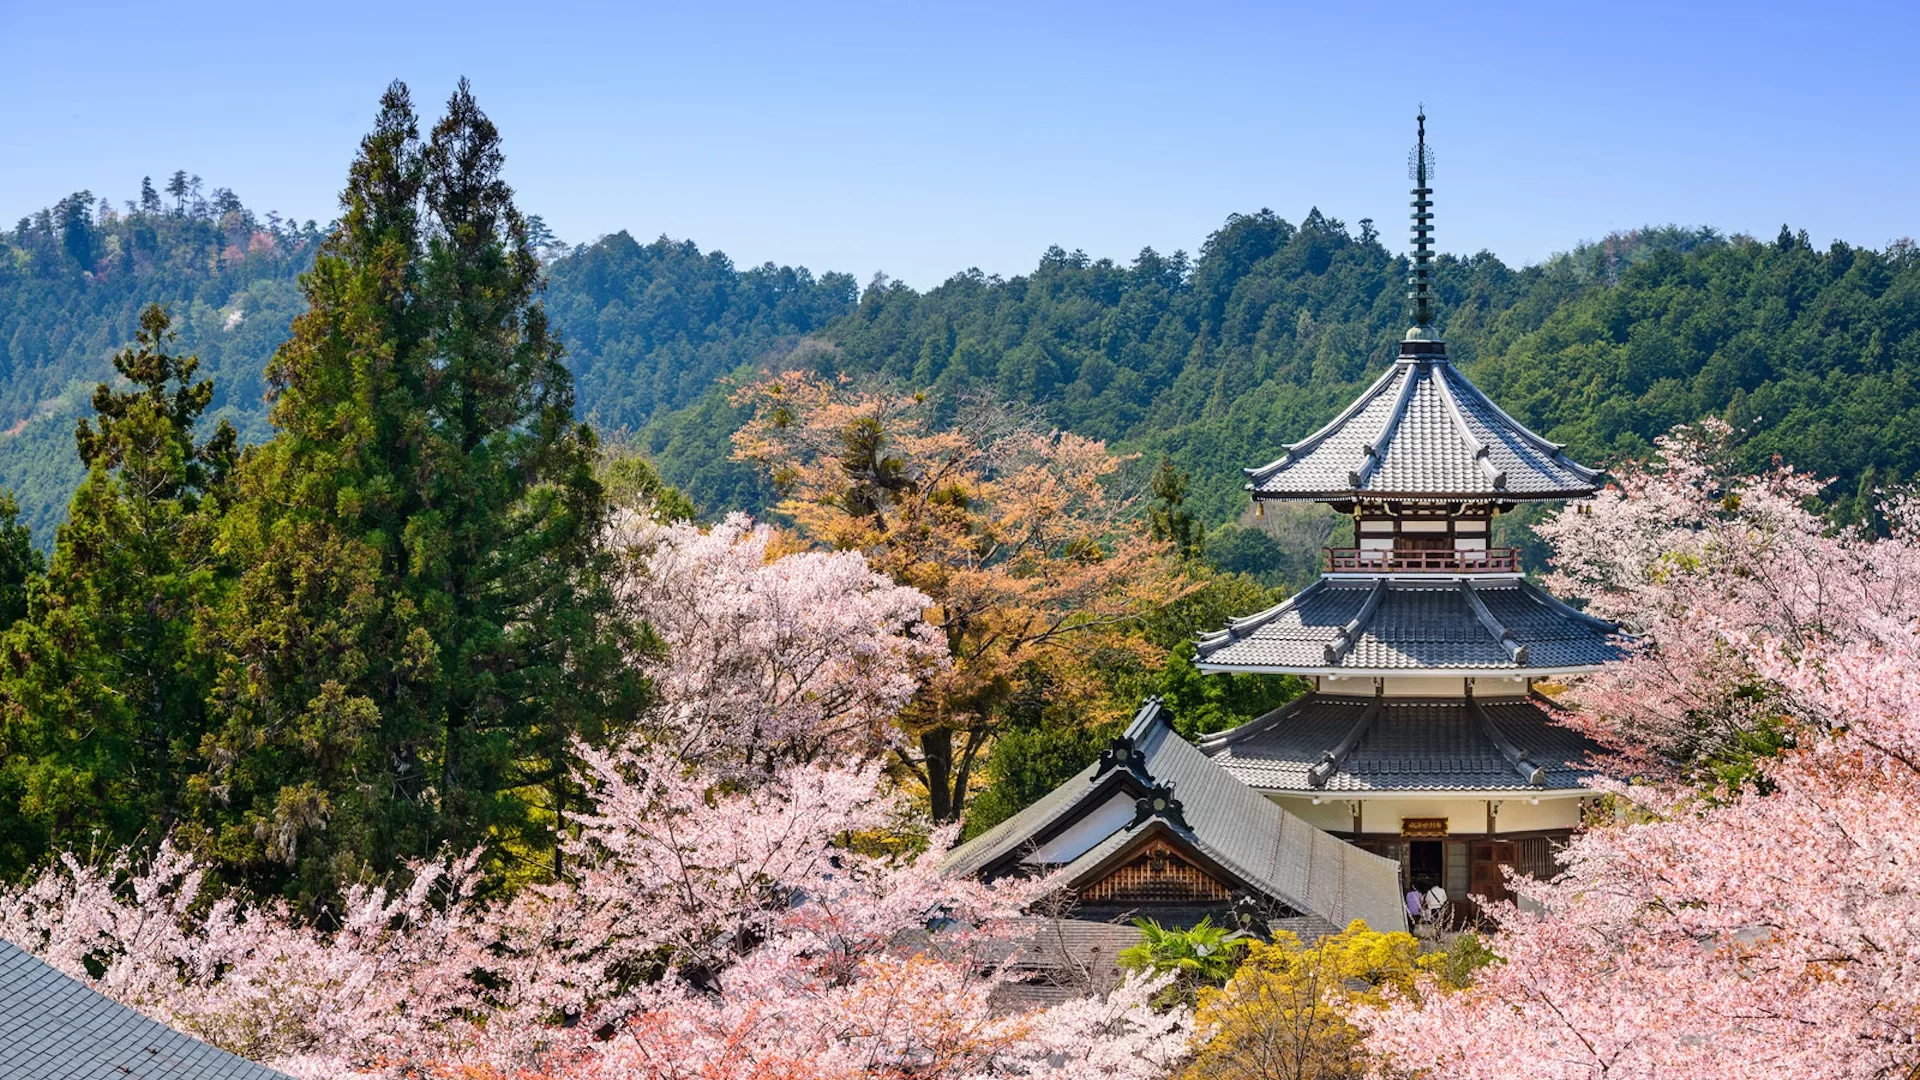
(1429, 426)
(1412, 745)
(54, 1027)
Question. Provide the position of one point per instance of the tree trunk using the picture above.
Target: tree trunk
(936, 749)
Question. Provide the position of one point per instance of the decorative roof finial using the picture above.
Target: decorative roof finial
(1420, 292)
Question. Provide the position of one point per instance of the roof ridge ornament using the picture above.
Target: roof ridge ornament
(1121, 753)
(1420, 277)
(1159, 802)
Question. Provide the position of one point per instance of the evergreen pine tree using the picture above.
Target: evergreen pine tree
(423, 625)
(1168, 517)
(105, 683)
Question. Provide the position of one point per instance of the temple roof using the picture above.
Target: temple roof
(1327, 881)
(54, 1027)
(1422, 431)
(1457, 625)
(1334, 744)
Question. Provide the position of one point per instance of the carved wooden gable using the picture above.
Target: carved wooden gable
(1156, 873)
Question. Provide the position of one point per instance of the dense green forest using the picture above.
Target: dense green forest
(1211, 361)
(73, 280)
(1214, 363)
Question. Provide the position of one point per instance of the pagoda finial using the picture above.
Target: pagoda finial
(1419, 280)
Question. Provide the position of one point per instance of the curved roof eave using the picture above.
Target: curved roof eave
(1400, 672)
(1360, 495)
(1546, 794)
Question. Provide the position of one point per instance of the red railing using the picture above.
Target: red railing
(1386, 561)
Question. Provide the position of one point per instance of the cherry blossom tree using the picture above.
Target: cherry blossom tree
(1701, 562)
(747, 895)
(712, 928)
(769, 659)
(1759, 928)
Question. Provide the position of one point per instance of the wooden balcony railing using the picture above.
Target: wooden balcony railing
(1385, 561)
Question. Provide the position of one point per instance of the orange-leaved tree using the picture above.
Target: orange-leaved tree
(1034, 563)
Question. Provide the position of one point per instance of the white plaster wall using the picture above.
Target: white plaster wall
(1465, 816)
(1110, 817)
(1424, 686)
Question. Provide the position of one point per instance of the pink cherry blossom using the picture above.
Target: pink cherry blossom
(1765, 930)
(729, 929)
(791, 658)
(747, 895)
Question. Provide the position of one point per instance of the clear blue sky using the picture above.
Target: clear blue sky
(922, 140)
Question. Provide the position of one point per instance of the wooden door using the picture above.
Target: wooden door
(1486, 878)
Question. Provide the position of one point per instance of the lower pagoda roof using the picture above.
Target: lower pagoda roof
(1342, 745)
(1381, 625)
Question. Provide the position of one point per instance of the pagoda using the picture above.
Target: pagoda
(1425, 738)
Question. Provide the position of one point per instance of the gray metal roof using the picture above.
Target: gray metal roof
(1405, 745)
(1423, 431)
(54, 1027)
(1247, 834)
(1453, 624)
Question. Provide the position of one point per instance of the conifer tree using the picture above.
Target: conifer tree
(105, 683)
(424, 624)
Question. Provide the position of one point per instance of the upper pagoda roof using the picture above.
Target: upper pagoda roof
(1422, 431)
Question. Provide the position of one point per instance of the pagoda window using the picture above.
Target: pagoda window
(1375, 535)
(1424, 535)
(1457, 881)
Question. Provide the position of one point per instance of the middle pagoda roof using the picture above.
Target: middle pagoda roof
(1423, 433)
(1494, 625)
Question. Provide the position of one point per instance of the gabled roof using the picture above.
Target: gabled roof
(54, 1027)
(1228, 825)
(1422, 431)
(1327, 743)
(1465, 624)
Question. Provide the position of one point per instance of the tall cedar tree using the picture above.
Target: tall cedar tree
(106, 684)
(423, 625)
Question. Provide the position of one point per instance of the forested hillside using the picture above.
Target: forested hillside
(1212, 360)
(1217, 362)
(73, 279)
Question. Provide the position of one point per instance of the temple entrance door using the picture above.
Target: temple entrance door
(1486, 877)
(1424, 864)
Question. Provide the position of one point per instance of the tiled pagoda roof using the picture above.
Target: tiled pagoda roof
(1422, 431)
(1327, 743)
(1497, 625)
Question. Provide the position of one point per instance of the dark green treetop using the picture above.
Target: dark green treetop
(424, 624)
(105, 682)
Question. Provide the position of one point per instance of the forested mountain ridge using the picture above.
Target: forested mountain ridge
(648, 327)
(1217, 362)
(73, 279)
(1213, 361)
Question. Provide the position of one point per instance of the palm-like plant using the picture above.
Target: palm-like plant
(1203, 955)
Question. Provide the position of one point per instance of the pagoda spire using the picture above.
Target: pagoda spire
(1419, 279)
